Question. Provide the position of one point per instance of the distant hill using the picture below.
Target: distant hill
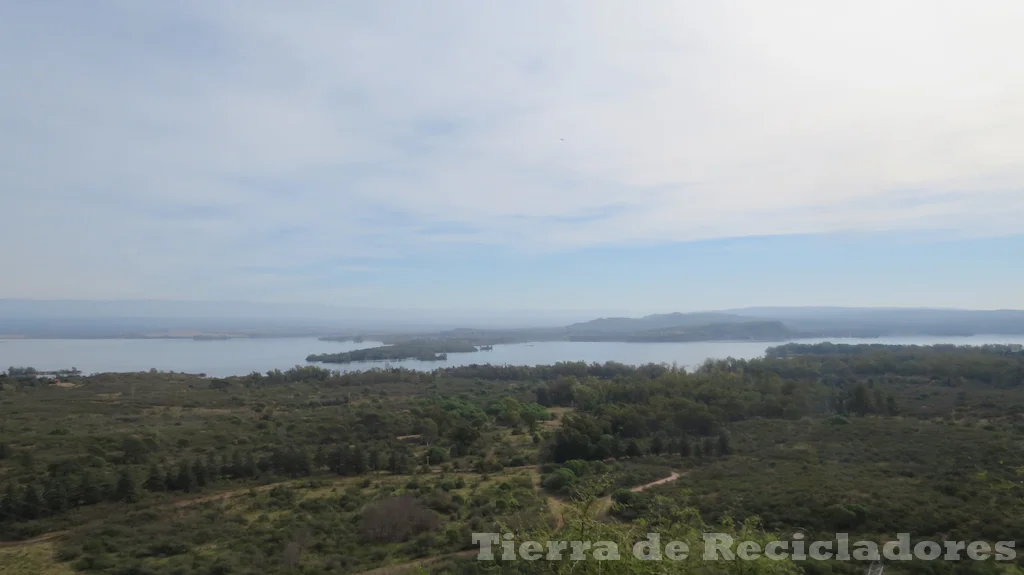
(877, 322)
(158, 318)
(657, 321)
(732, 331)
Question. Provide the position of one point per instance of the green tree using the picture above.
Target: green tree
(32, 503)
(890, 406)
(633, 449)
(200, 473)
(436, 455)
(560, 480)
(185, 481)
(126, 489)
(724, 442)
(685, 447)
(155, 480)
(428, 429)
(212, 468)
(373, 458)
(709, 447)
(135, 451)
(10, 504)
(529, 419)
(860, 402)
(509, 414)
(356, 463)
(657, 445)
(250, 469)
(56, 495)
(89, 492)
(398, 462)
(464, 436)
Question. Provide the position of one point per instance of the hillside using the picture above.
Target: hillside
(384, 471)
(656, 321)
(740, 331)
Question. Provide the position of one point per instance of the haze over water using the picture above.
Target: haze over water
(242, 356)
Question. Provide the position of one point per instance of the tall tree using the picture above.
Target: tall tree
(126, 489)
(657, 445)
(184, 481)
(250, 469)
(891, 407)
(32, 503)
(200, 473)
(633, 449)
(56, 495)
(89, 492)
(724, 442)
(685, 448)
(879, 402)
(709, 447)
(10, 504)
(860, 402)
(373, 458)
(155, 480)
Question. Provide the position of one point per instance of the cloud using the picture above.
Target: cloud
(144, 145)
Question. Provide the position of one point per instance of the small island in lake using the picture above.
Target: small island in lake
(211, 337)
(421, 350)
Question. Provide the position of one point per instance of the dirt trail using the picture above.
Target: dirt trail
(34, 541)
(603, 505)
(662, 481)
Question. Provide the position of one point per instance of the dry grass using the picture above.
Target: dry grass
(32, 560)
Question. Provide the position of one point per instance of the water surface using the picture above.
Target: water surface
(242, 356)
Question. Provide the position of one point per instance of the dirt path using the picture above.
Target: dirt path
(603, 505)
(34, 541)
(662, 481)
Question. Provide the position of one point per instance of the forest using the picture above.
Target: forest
(309, 470)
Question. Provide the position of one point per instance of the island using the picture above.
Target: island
(422, 350)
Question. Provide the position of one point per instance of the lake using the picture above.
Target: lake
(242, 356)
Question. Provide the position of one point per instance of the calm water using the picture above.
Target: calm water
(242, 356)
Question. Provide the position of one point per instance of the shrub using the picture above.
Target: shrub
(397, 519)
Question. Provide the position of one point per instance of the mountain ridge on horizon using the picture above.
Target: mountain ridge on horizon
(121, 318)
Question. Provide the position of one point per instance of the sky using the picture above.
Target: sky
(541, 154)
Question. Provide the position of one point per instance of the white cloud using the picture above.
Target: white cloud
(143, 145)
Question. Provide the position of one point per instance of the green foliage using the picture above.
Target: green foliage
(870, 440)
(421, 350)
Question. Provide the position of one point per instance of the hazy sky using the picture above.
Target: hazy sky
(536, 154)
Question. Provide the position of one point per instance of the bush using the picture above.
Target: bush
(560, 480)
(623, 496)
(397, 519)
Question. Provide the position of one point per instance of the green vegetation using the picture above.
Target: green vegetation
(313, 471)
(421, 350)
